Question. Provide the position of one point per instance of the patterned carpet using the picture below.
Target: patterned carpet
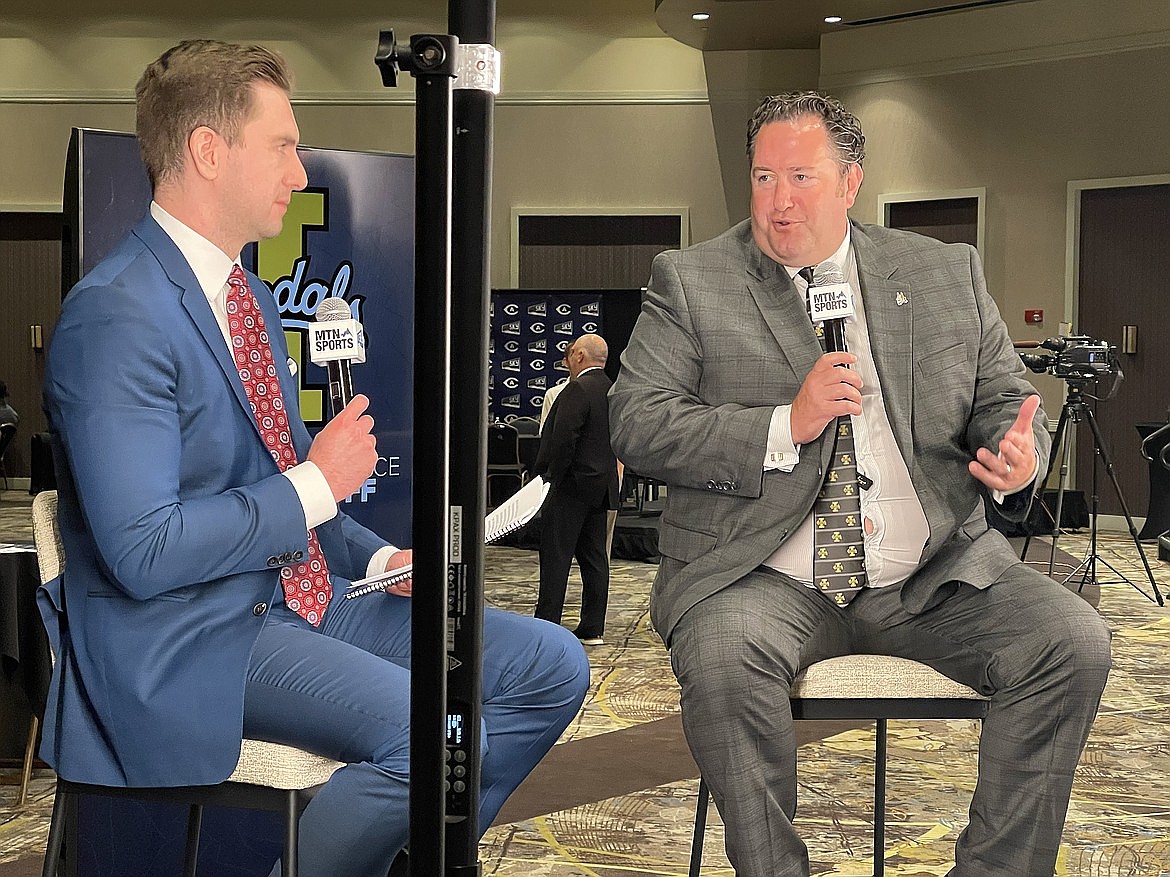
(617, 797)
(1119, 819)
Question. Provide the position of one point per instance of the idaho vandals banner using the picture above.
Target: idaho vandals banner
(349, 235)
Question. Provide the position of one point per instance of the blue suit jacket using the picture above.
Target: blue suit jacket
(175, 522)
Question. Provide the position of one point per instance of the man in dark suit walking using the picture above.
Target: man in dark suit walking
(576, 459)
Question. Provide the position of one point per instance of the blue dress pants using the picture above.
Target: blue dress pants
(343, 691)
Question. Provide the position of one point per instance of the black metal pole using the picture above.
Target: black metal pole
(473, 22)
(431, 515)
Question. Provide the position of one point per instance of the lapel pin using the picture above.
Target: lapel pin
(901, 299)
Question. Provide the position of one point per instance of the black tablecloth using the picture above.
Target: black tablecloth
(24, 647)
(1158, 513)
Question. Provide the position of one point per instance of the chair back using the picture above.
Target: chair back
(526, 425)
(7, 431)
(503, 445)
(47, 536)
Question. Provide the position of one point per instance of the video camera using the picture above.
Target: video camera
(1074, 358)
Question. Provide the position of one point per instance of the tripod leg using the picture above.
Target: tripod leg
(1066, 413)
(1099, 449)
(1056, 439)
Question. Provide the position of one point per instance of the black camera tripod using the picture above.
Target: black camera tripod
(1075, 409)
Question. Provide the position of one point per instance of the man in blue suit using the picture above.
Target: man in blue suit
(206, 555)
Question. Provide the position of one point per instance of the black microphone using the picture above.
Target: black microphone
(831, 300)
(336, 340)
(1055, 344)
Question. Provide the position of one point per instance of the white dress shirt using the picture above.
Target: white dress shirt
(895, 525)
(211, 267)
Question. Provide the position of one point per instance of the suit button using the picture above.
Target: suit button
(298, 555)
(273, 561)
(711, 485)
(259, 609)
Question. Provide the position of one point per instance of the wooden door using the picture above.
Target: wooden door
(1124, 279)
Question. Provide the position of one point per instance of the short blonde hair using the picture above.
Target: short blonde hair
(199, 82)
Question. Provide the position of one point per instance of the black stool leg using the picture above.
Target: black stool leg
(879, 801)
(194, 824)
(700, 829)
(288, 859)
(56, 833)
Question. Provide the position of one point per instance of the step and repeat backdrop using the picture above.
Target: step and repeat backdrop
(530, 330)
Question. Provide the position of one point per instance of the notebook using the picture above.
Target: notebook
(517, 511)
(520, 508)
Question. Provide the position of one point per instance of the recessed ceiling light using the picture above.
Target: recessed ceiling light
(832, 19)
(701, 16)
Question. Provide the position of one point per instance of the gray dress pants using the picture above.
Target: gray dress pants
(1039, 651)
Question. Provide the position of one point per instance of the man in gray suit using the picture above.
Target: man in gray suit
(725, 394)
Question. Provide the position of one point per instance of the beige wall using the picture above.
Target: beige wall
(585, 120)
(1013, 99)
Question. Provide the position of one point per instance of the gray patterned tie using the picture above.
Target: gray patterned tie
(838, 539)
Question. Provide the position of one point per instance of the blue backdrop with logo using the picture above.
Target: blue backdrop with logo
(349, 235)
(530, 331)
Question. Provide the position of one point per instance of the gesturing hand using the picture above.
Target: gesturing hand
(345, 450)
(828, 392)
(1015, 464)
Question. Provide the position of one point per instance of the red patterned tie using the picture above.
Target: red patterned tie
(306, 585)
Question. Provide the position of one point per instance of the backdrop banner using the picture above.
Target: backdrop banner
(530, 332)
(349, 235)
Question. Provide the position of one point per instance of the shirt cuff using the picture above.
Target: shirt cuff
(378, 562)
(781, 453)
(313, 490)
(998, 495)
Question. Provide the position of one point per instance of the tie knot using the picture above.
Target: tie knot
(237, 278)
(806, 274)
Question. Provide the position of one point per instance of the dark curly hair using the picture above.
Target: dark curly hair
(842, 126)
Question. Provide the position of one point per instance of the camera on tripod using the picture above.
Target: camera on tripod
(1074, 358)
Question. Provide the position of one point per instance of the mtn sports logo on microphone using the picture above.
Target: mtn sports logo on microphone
(830, 302)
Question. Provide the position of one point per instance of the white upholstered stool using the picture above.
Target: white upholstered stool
(268, 776)
(866, 687)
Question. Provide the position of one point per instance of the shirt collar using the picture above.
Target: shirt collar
(208, 262)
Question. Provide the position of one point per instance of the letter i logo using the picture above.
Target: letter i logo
(275, 258)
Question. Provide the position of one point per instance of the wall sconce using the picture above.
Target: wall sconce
(36, 339)
(1129, 339)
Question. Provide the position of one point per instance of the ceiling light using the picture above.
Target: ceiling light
(701, 16)
(832, 19)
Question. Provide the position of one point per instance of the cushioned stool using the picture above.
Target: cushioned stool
(866, 687)
(268, 776)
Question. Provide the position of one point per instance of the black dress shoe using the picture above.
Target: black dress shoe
(589, 639)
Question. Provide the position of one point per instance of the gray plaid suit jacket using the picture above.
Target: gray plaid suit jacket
(723, 337)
